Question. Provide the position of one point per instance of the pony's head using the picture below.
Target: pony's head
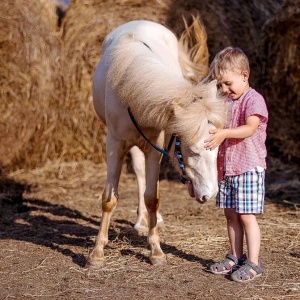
(192, 123)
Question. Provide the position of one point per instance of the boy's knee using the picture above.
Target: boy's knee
(247, 218)
(230, 214)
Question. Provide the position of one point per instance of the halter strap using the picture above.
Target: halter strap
(163, 151)
(183, 177)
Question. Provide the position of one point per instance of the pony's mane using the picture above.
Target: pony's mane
(144, 83)
(193, 52)
(192, 121)
(157, 95)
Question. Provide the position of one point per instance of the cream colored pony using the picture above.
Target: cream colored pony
(145, 68)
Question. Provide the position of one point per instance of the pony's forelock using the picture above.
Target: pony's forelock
(192, 121)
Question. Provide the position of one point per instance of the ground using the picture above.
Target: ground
(50, 217)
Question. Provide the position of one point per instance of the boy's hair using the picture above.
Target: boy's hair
(228, 59)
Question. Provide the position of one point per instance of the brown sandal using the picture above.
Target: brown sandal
(225, 266)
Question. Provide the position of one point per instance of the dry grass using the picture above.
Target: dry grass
(49, 233)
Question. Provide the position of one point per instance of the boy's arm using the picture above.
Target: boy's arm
(241, 132)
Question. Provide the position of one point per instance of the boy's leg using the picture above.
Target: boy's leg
(226, 200)
(251, 267)
(250, 193)
(253, 236)
(235, 231)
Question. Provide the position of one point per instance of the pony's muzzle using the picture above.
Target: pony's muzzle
(190, 189)
(203, 199)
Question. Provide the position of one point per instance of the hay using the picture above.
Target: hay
(46, 111)
(84, 27)
(273, 53)
(28, 52)
(280, 61)
(227, 23)
(46, 71)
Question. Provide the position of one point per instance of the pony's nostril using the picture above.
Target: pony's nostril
(205, 198)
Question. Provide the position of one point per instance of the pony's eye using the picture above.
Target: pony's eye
(195, 99)
(193, 153)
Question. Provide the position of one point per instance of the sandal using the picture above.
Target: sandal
(225, 266)
(244, 274)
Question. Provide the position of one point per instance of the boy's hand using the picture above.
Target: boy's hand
(218, 136)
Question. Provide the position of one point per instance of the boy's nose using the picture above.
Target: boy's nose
(224, 89)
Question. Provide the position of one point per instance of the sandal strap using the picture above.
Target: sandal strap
(243, 273)
(256, 268)
(219, 266)
(233, 258)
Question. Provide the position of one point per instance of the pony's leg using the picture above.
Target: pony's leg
(157, 257)
(138, 164)
(115, 154)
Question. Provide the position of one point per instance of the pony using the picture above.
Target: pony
(148, 88)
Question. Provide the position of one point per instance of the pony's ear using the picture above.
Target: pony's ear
(178, 110)
(209, 88)
(213, 86)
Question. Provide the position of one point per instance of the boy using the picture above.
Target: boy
(241, 164)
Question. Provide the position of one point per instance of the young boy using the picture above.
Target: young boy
(241, 164)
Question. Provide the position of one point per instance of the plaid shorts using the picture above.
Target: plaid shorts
(245, 192)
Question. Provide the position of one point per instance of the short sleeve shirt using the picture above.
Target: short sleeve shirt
(237, 156)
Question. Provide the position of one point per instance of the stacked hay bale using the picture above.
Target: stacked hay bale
(268, 32)
(46, 108)
(280, 60)
(227, 22)
(29, 84)
(85, 25)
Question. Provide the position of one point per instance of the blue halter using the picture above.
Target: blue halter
(183, 178)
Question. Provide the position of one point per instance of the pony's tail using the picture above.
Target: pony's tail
(193, 51)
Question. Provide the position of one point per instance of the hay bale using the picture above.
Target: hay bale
(280, 60)
(227, 22)
(28, 55)
(46, 72)
(268, 32)
(84, 27)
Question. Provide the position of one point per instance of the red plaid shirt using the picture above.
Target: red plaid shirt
(237, 156)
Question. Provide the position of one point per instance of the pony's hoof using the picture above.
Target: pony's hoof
(94, 264)
(158, 261)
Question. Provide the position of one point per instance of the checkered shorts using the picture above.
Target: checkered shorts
(245, 192)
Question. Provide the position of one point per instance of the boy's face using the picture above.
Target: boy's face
(234, 83)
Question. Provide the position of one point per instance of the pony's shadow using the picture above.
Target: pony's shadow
(59, 228)
(42, 223)
(138, 241)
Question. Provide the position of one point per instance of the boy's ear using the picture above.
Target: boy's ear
(245, 74)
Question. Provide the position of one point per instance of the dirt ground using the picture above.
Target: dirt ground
(50, 217)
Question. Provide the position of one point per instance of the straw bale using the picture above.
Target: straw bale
(84, 27)
(46, 108)
(227, 22)
(268, 32)
(29, 47)
(280, 60)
